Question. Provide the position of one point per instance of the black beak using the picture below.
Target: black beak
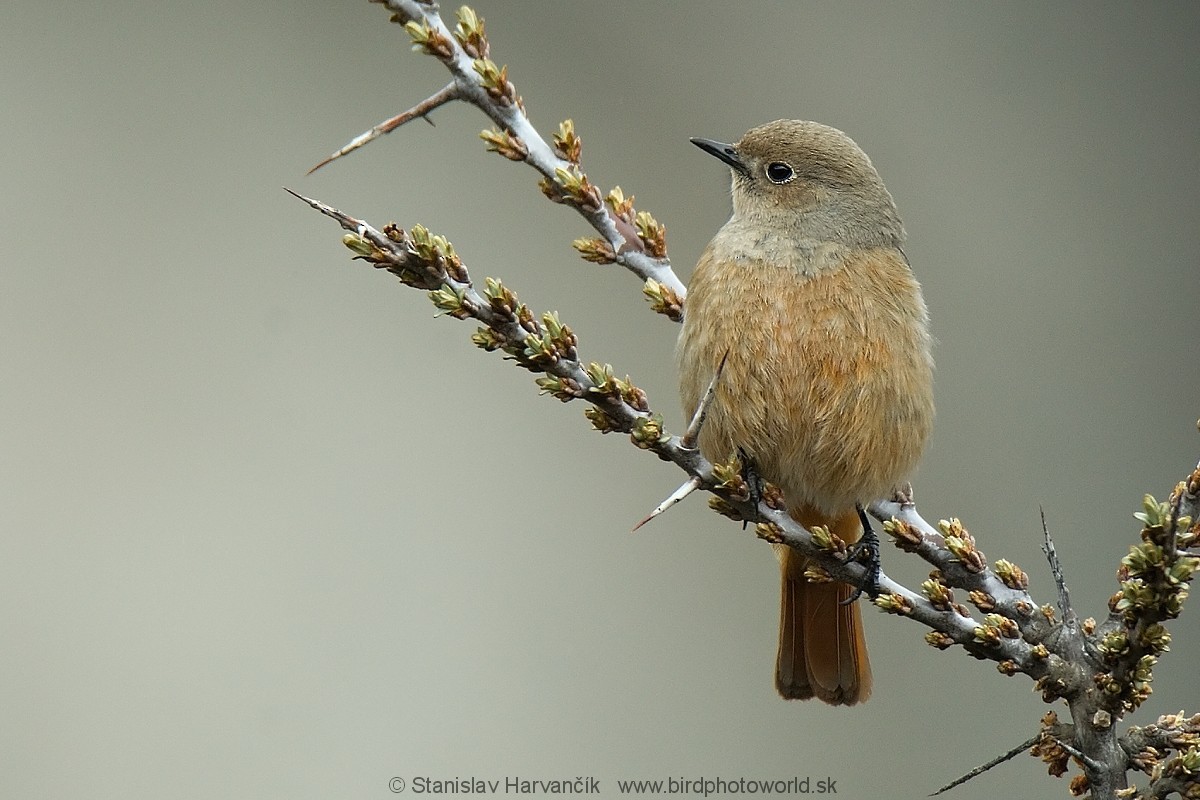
(726, 152)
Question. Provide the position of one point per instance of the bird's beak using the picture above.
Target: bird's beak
(726, 152)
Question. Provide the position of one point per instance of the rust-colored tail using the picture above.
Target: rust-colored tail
(822, 652)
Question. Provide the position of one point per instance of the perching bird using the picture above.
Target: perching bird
(827, 384)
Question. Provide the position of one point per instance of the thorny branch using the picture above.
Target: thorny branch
(1102, 671)
(633, 239)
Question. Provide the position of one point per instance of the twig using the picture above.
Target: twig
(422, 109)
(982, 768)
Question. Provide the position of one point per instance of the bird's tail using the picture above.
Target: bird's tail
(822, 652)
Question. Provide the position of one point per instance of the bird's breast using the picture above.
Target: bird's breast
(828, 377)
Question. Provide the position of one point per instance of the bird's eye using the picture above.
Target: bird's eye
(779, 172)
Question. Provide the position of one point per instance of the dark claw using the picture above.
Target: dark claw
(754, 481)
(868, 543)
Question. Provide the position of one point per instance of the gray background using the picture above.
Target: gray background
(271, 530)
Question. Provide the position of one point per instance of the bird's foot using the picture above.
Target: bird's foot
(868, 545)
(754, 481)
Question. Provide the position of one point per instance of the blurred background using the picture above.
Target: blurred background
(270, 529)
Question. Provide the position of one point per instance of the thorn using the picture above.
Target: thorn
(1087, 760)
(982, 768)
(422, 109)
(1056, 570)
(688, 442)
(348, 222)
(683, 491)
(317, 204)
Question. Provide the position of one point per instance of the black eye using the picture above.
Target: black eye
(779, 172)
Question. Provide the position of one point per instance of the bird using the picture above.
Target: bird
(808, 299)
